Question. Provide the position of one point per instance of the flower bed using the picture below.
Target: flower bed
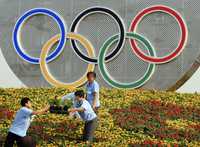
(126, 118)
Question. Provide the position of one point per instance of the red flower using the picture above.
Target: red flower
(6, 114)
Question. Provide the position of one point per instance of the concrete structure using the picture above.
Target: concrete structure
(161, 30)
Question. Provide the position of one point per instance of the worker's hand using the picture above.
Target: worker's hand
(71, 110)
(94, 107)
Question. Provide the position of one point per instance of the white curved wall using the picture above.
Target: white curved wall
(7, 77)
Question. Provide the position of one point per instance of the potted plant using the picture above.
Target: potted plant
(56, 106)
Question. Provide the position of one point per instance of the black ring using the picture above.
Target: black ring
(110, 13)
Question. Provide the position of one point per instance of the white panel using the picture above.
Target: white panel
(7, 77)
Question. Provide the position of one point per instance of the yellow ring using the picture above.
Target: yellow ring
(44, 69)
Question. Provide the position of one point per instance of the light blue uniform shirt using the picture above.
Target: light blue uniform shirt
(90, 89)
(71, 97)
(21, 122)
(89, 113)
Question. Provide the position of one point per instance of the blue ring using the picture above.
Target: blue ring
(20, 22)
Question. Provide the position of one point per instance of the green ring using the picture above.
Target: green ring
(105, 74)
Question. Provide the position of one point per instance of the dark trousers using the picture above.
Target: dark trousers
(26, 141)
(89, 129)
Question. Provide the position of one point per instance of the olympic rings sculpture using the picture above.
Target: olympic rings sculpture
(102, 58)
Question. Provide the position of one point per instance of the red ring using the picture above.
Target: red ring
(181, 44)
